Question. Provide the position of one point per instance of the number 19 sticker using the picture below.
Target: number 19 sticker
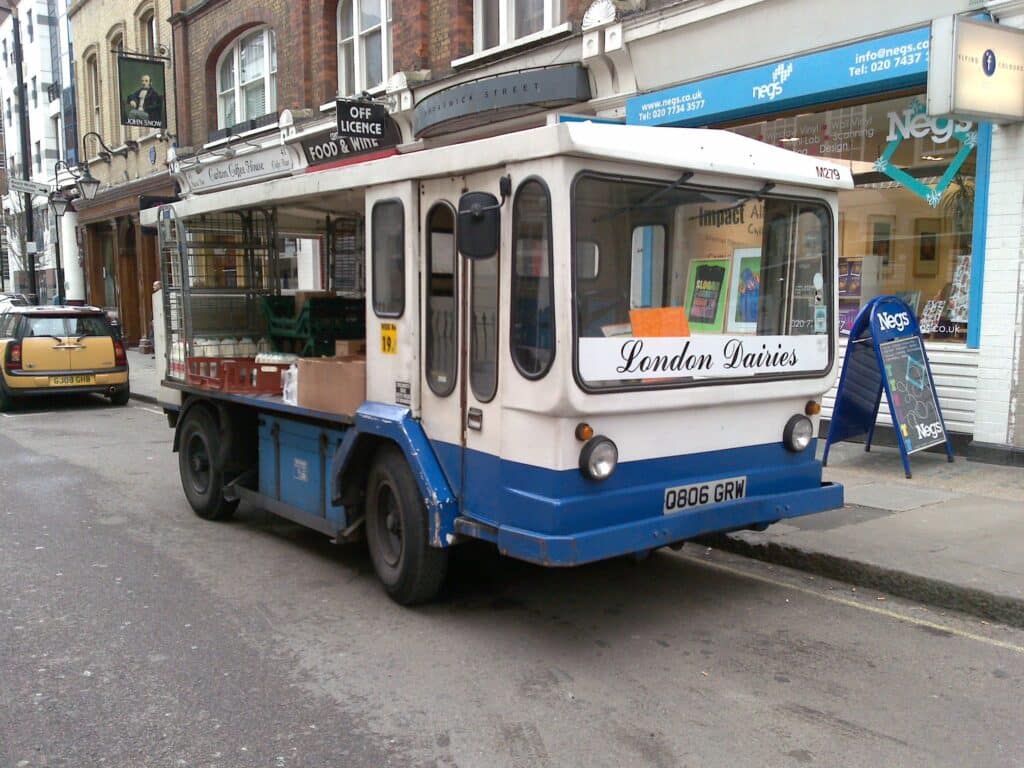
(389, 338)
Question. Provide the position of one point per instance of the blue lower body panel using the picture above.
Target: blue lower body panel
(295, 461)
(562, 518)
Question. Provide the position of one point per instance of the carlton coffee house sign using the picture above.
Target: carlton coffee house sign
(265, 164)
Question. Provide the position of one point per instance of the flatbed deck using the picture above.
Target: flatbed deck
(274, 403)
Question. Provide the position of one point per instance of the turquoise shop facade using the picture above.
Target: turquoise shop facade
(874, 69)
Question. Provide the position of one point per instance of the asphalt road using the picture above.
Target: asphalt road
(134, 634)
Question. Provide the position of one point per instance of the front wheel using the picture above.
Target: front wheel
(202, 476)
(398, 534)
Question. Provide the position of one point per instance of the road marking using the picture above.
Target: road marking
(865, 607)
(149, 410)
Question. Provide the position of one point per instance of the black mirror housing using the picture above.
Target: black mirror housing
(479, 225)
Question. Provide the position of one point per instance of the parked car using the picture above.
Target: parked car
(60, 350)
(8, 300)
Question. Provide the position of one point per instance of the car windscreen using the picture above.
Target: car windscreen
(697, 285)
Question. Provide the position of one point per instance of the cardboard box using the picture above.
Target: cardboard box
(301, 296)
(332, 384)
(349, 348)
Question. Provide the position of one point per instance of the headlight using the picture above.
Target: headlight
(798, 433)
(598, 458)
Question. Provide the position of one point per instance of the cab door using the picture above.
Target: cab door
(461, 340)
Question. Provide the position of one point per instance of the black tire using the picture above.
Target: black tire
(398, 533)
(6, 401)
(202, 476)
(121, 397)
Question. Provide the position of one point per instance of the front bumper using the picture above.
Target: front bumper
(653, 532)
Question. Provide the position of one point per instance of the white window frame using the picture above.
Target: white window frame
(554, 15)
(269, 77)
(356, 40)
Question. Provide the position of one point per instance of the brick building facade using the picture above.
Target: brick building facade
(119, 258)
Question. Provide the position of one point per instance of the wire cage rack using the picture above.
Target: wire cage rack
(215, 268)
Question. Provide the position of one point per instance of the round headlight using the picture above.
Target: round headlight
(598, 458)
(798, 433)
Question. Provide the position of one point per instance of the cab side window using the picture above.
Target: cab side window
(442, 301)
(533, 294)
(388, 232)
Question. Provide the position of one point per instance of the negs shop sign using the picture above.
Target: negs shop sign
(700, 356)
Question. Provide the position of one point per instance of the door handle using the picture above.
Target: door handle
(475, 419)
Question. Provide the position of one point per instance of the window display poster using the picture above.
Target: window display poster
(961, 289)
(744, 290)
(707, 281)
(932, 315)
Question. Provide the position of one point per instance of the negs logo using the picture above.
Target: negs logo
(887, 321)
(928, 430)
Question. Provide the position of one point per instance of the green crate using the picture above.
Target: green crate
(322, 321)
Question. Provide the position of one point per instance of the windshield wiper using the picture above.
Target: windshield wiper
(687, 175)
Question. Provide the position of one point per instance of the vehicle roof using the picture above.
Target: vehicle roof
(45, 310)
(686, 149)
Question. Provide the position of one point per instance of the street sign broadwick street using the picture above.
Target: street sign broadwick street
(28, 187)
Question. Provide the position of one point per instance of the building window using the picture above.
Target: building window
(364, 45)
(29, 29)
(147, 32)
(5, 52)
(35, 92)
(92, 93)
(502, 22)
(37, 157)
(906, 229)
(247, 79)
(9, 117)
(116, 46)
(533, 295)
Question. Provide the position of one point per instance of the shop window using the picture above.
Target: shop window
(247, 79)
(388, 258)
(442, 345)
(503, 22)
(907, 226)
(483, 331)
(533, 300)
(364, 45)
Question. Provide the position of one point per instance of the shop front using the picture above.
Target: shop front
(119, 258)
(913, 226)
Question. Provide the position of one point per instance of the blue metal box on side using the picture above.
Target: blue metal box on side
(295, 461)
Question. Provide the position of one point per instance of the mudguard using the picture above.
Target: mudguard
(375, 422)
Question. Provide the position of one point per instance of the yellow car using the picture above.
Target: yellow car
(60, 350)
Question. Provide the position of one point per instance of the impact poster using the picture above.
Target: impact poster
(706, 294)
(142, 90)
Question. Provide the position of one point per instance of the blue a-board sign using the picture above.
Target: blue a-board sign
(888, 63)
(886, 352)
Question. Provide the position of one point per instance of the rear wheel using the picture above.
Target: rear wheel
(202, 476)
(398, 533)
(121, 397)
(6, 403)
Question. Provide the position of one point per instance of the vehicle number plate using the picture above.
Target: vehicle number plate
(701, 494)
(71, 381)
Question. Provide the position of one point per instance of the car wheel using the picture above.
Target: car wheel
(398, 534)
(121, 397)
(202, 476)
(6, 402)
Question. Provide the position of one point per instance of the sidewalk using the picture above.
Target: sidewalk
(142, 376)
(953, 536)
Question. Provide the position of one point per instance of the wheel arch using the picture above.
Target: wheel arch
(379, 424)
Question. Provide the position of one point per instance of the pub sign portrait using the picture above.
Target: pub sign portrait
(143, 92)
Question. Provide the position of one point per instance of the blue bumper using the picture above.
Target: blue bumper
(649, 533)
